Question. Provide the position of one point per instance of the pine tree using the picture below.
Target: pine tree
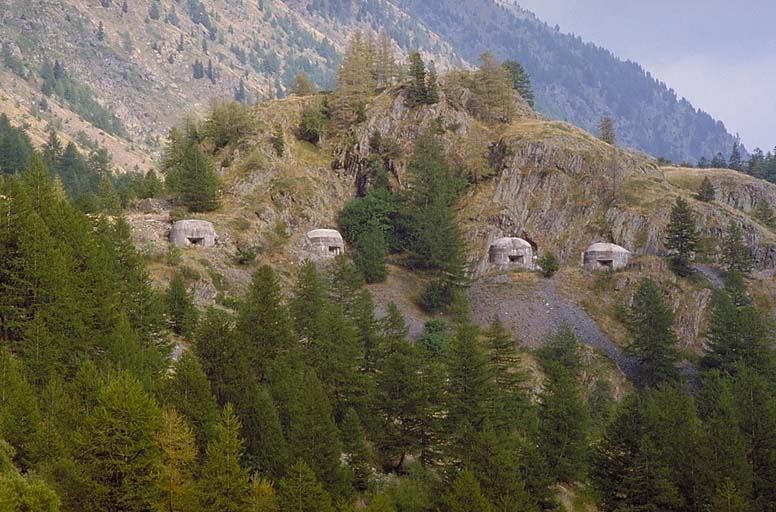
(508, 374)
(385, 60)
(418, 92)
(735, 251)
(263, 322)
(101, 32)
(200, 182)
(606, 130)
(188, 390)
(355, 80)
(356, 450)
(108, 200)
(19, 412)
(116, 450)
(21, 492)
(181, 312)
(736, 162)
(520, 79)
(706, 193)
(371, 255)
(564, 428)
(466, 495)
(179, 455)
(224, 484)
(682, 237)
(300, 491)
(653, 343)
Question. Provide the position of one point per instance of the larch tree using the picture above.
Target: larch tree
(493, 91)
(355, 81)
(179, 457)
(466, 495)
(223, 482)
(300, 491)
(181, 312)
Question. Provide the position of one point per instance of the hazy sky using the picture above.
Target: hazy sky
(720, 55)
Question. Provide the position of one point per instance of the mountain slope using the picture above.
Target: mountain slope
(137, 78)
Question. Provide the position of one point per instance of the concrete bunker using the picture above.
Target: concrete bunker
(511, 252)
(326, 243)
(605, 257)
(193, 233)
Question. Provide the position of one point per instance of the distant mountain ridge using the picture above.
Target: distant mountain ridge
(158, 61)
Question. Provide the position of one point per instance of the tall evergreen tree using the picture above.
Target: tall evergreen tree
(116, 450)
(735, 251)
(181, 312)
(682, 237)
(466, 495)
(179, 454)
(564, 428)
(300, 491)
(223, 482)
(736, 162)
(706, 193)
(371, 255)
(764, 213)
(200, 182)
(520, 79)
(653, 342)
(188, 390)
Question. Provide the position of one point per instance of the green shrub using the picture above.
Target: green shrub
(549, 264)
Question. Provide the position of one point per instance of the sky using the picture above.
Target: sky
(720, 55)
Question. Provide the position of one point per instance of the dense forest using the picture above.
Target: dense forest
(313, 403)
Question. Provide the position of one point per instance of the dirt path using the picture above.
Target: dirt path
(532, 311)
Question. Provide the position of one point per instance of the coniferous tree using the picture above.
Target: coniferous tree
(520, 79)
(181, 312)
(263, 322)
(737, 331)
(20, 491)
(682, 237)
(418, 92)
(262, 496)
(736, 162)
(735, 251)
(718, 162)
(493, 91)
(564, 428)
(466, 495)
(188, 390)
(279, 141)
(606, 130)
(19, 412)
(371, 254)
(653, 342)
(178, 454)
(356, 450)
(240, 96)
(706, 193)
(200, 182)
(223, 482)
(101, 32)
(549, 264)
(108, 200)
(300, 491)
(434, 238)
(116, 450)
